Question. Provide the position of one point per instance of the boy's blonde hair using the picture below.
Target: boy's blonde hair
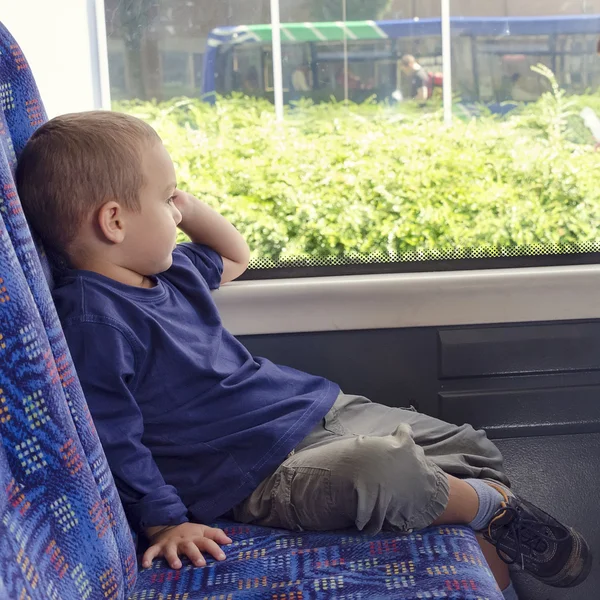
(75, 163)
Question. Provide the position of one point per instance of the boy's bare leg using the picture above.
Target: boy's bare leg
(498, 567)
(463, 504)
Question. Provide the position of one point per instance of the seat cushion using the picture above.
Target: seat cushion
(281, 565)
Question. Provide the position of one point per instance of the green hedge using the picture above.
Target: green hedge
(334, 179)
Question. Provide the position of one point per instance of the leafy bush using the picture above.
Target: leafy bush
(336, 179)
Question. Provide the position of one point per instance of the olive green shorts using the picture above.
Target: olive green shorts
(372, 467)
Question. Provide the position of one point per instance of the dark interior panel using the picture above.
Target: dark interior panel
(535, 388)
(485, 351)
(525, 412)
(388, 366)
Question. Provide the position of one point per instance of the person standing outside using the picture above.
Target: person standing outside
(420, 79)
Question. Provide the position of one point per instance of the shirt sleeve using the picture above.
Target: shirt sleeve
(208, 262)
(105, 362)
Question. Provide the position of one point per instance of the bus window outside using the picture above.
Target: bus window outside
(363, 175)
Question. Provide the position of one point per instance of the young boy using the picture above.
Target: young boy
(193, 426)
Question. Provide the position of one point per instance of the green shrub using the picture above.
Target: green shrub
(336, 179)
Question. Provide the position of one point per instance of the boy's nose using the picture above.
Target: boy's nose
(178, 216)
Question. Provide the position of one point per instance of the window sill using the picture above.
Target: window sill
(411, 300)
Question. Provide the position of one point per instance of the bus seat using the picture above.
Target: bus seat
(63, 531)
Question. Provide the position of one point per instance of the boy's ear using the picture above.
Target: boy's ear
(111, 222)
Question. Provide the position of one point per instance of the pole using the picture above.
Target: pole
(277, 68)
(100, 68)
(344, 18)
(447, 61)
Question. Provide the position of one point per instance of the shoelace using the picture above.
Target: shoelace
(526, 534)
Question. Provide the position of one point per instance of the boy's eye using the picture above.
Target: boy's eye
(170, 200)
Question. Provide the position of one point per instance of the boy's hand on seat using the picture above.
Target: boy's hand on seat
(188, 539)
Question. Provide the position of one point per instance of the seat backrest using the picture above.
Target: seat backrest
(63, 532)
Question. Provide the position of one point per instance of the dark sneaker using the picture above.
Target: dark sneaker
(531, 539)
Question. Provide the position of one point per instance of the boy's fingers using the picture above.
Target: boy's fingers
(219, 536)
(211, 547)
(171, 557)
(191, 551)
(150, 555)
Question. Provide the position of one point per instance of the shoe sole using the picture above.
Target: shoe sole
(577, 569)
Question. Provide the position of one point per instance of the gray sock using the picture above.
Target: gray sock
(510, 593)
(490, 501)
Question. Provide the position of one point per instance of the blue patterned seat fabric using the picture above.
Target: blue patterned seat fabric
(63, 533)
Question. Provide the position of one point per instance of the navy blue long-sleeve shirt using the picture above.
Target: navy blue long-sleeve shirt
(189, 420)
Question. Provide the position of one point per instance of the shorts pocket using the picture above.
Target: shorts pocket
(304, 493)
(332, 423)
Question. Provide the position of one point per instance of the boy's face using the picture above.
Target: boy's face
(152, 232)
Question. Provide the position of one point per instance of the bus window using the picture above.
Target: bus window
(247, 67)
(371, 69)
(223, 68)
(379, 182)
(505, 67)
(577, 64)
(462, 69)
(267, 75)
(297, 70)
(516, 38)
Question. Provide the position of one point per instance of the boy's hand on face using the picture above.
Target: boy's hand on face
(205, 226)
(183, 202)
(187, 539)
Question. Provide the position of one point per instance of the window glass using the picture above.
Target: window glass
(175, 70)
(365, 172)
(524, 73)
(249, 66)
(118, 74)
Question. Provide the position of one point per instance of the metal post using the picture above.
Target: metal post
(346, 75)
(277, 67)
(447, 61)
(97, 16)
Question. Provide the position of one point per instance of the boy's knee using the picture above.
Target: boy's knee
(483, 446)
(370, 462)
(473, 454)
(385, 480)
(468, 440)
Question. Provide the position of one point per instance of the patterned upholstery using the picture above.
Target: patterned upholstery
(279, 565)
(63, 533)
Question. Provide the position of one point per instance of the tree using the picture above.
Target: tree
(356, 10)
(138, 20)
